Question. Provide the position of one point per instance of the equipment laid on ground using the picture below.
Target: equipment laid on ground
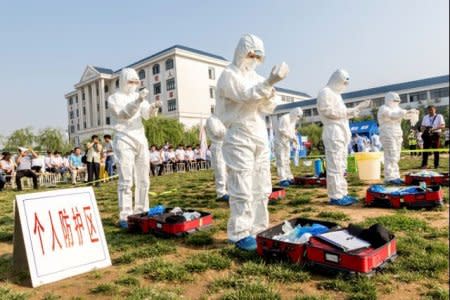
(174, 221)
(429, 177)
(310, 180)
(326, 256)
(277, 194)
(273, 249)
(409, 197)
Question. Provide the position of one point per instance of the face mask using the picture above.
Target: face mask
(131, 88)
(250, 64)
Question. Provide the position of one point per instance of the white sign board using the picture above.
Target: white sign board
(61, 233)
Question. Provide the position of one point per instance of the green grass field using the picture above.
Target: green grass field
(204, 266)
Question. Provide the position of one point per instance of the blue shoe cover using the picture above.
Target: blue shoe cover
(284, 183)
(344, 201)
(247, 244)
(123, 224)
(224, 198)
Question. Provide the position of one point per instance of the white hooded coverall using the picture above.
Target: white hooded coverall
(390, 117)
(130, 144)
(216, 132)
(336, 133)
(286, 133)
(244, 99)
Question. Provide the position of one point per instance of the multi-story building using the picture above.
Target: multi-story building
(413, 94)
(182, 78)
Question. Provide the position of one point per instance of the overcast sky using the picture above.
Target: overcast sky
(45, 45)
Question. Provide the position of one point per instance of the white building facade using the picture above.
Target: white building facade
(182, 78)
(413, 94)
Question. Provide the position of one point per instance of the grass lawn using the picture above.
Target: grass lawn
(204, 266)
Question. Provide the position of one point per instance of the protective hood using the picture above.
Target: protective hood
(296, 114)
(248, 43)
(126, 75)
(339, 80)
(392, 99)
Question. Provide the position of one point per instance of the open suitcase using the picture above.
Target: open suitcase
(432, 197)
(271, 249)
(158, 225)
(277, 194)
(310, 180)
(328, 258)
(411, 179)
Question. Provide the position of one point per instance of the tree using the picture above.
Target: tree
(191, 136)
(52, 139)
(23, 137)
(313, 132)
(160, 130)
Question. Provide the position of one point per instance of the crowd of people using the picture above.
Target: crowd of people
(94, 163)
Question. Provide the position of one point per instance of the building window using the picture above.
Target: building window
(211, 73)
(377, 102)
(98, 107)
(106, 88)
(84, 110)
(106, 104)
(157, 88)
(98, 122)
(76, 98)
(314, 112)
(78, 126)
(414, 97)
(170, 84)
(141, 74)
(212, 92)
(78, 113)
(108, 121)
(439, 93)
(403, 98)
(307, 113)
(71, 115)
(84, 125)
(212, 108)
(172, 105)
(70, 101)
(83, 96)
(155, 69)
(117, 83)
(96, 89)
(72, 129)
(349, 104)
(169, 64)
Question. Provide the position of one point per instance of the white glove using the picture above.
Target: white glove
(143, 93)
(363, 105)
(278, 73)
(413, 116)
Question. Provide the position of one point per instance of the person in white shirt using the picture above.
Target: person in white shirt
(170, 158)
(432, 125)
(180, 155)
(37, 164)
(447, 137)
(48, 162)
(155, 161)
(189, 157)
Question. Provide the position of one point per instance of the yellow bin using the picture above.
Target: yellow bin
(369, 165)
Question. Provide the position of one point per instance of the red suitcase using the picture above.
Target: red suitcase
(320, 254)
(411, 179)
(310, 180)
(158, 225)
(277, 194)
(271, 249)
(433, 197)
(143, 223)
(139, 223)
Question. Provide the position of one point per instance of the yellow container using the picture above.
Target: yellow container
(369, 165)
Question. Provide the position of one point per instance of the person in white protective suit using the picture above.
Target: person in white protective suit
(128, 108)
(336, 134)
(390, 116)
(284, 135)
(216, 132)
(375, 142)
(244, 99)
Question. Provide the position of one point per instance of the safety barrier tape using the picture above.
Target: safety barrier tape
(403, 151)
